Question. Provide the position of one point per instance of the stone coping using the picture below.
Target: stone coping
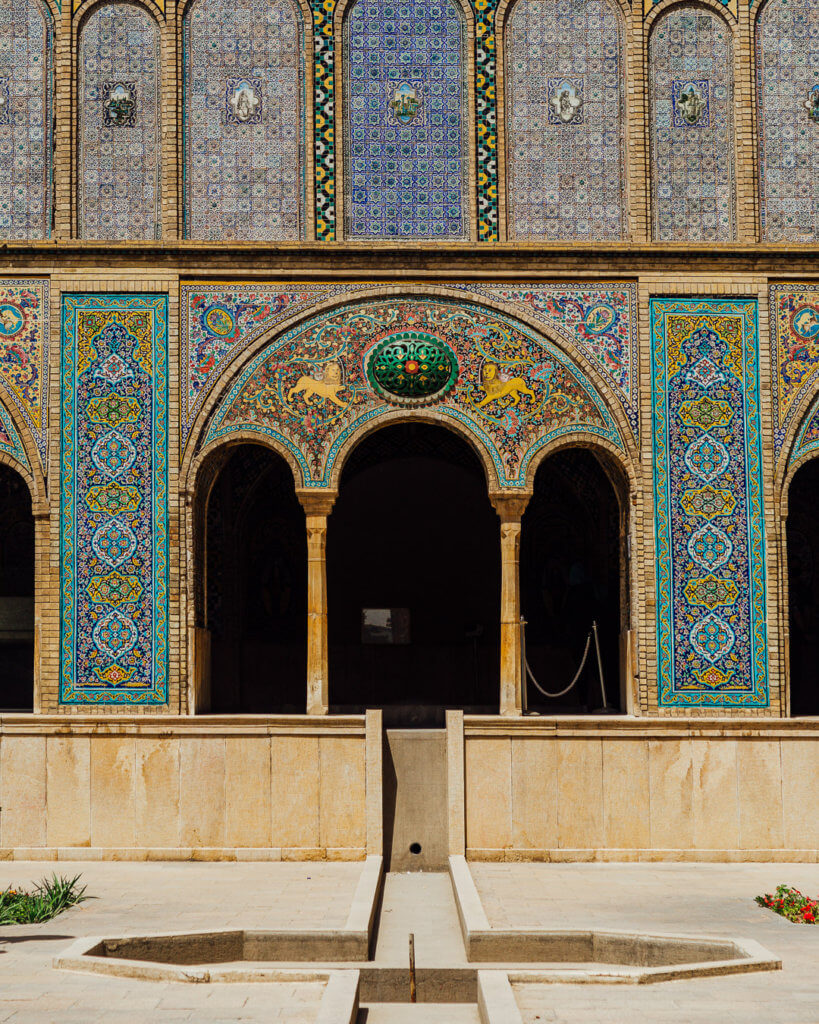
(636, 727)
(162, 726)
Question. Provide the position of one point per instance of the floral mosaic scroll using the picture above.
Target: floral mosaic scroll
(712, 645)
(114, 500)
(24, 326)
(795, 357)
(323, 381)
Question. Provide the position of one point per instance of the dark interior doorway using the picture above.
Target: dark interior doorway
(256, 586)
(570, 576)
(803, 588)
(16, 593)
(413, 534)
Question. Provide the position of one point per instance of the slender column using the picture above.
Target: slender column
(317, 508)
(510, 508)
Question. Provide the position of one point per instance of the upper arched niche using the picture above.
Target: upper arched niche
(26, 90)
(564, 113)
(405, 122)
(244, 120)
(319, 387)
(119, 124)
(788, 118)
(691, 96)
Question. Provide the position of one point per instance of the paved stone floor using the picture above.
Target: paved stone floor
(132, 897)
(710, 899)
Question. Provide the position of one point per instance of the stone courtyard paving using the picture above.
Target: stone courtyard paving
(706, 899)
(133, 898)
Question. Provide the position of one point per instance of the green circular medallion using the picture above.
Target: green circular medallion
(412, 368)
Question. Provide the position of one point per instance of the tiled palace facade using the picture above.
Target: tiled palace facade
(242, 240)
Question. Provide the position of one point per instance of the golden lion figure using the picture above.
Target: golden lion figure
(495, 387)
(313, 388)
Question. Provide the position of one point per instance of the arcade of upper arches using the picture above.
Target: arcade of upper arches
(536, 120)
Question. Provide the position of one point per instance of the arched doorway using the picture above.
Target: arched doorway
(413, 576)
(16, 593)
(255, 585)
(571, 559)
(803, 588)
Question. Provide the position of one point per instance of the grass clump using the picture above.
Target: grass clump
(47, 899)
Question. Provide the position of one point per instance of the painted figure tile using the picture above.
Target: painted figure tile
(24, 328)
(119, 118)
(709, 517)
(788, 104)
(692, 134)
(244, 120)
(405, 131)
(564, 120)
(26, 38)
(794, 312)
(114, 500)
(319, 383)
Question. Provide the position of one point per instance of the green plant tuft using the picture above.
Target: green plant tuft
(791, 904)
(48, 898)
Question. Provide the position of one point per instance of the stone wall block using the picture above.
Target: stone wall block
(488, 793)
(202, 796)
(113, 764)
(68, 791)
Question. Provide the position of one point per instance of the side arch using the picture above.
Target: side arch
(316, 420)
(18, 450)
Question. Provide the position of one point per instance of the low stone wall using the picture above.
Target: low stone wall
(634, 789)
(205, 788)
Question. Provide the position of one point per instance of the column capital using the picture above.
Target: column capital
(510, 505)
(316, 503)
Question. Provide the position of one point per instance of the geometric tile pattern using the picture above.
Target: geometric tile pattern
(692, 135)
(24, 330)
(405, 120)
(219, 320)
(794, 312)
(26, 38)
(324, 118)
(114, 500)
(787, 49)
(709, 517)
(486, 115)
(513, 391)
(564, 120)
(10, 442)
(245, 166)
(119, 124)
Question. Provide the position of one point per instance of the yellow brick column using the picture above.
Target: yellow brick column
(317, 508)
(510, 509)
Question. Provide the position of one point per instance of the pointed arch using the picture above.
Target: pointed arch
(247, 98)
(119, 123)
(26, 119)
(692, 123)
(574, 50)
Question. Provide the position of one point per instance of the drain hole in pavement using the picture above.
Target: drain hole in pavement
(415, 847)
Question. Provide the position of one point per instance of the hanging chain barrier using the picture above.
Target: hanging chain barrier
(529, 674)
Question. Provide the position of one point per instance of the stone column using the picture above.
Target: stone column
(510, 508)
(317, 507)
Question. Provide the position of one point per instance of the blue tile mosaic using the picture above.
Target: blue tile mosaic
(26, 37)
(244, 120)
(787, 69)
(692, 134)
(564, 120)
(405, 131)
(119, 115)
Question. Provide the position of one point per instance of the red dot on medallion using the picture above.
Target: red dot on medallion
(410, 366)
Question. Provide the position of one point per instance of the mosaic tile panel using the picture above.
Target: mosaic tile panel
(10, 442)
(26, 38)
(24, 329)
(564, 120)
(244, 120)
(794, 351)
(730, 5)
(220, 320)
(119, 130)
(692, 134)
(787, 50)
(709, 516)
(600, 320)
(807, 440)
(487, 119)
(312, 388)
(324, 118)
(114, 500)
(405, 128)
